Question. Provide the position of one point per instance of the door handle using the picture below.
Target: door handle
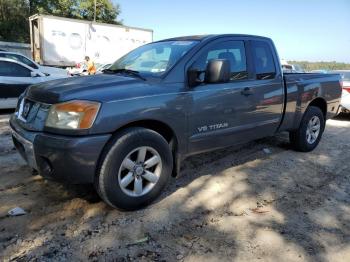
(247, 91)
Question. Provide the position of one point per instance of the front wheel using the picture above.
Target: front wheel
(135, 169)
(310, 131)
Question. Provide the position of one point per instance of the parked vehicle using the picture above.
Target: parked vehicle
(128, 130)
(298, 69)
(48, 70)
(81, 69)
(63, 42)
(15, 77)
(345, 98)
(287, 68)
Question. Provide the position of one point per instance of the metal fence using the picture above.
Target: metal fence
(16, 47)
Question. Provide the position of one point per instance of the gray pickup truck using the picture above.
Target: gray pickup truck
(127, 130)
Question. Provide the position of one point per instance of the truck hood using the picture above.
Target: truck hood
(102, 87)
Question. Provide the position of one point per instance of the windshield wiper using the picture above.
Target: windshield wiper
(125, 71)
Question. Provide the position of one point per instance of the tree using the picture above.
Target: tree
(14, 14)
(13, 20)
(106, 10)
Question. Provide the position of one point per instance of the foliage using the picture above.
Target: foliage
(308, 66)
(14, 25)
(13, 20)
(106, 10)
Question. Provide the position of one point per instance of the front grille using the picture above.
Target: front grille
(31, 115)
(27, 110)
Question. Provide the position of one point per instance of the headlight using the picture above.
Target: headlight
(76, 114)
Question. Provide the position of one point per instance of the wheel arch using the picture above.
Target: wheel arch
(320, 103)
(160, 127)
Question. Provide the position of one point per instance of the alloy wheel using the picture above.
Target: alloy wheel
(140, 171)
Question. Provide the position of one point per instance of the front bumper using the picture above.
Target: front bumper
(63, 158)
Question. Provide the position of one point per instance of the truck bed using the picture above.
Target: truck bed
(301, 88)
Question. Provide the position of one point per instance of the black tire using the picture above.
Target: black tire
(107, 183)
(298, 138)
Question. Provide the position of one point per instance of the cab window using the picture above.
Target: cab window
(233, 51)
(263, 60)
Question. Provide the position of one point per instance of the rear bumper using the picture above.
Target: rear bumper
(333, 109)
(63, 158)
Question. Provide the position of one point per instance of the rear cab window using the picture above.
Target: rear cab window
(263, 60)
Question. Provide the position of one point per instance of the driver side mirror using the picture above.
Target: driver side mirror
(217, 71)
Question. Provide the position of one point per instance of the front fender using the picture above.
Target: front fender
(170, 109)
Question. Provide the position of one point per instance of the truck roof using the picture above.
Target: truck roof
(211, 36)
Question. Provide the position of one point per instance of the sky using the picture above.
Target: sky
(313, 30)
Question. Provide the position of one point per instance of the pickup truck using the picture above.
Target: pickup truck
(127, 130)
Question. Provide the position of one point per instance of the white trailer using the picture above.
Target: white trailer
(58, 41)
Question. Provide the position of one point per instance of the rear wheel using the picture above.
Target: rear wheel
(135, 169)
(310, 131)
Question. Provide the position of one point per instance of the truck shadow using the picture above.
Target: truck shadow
(304, 193)
(306, 189)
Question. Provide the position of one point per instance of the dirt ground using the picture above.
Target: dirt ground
(237, 204)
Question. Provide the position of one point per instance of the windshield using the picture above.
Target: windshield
(154, 59)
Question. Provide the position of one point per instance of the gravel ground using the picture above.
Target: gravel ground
(237, 204)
